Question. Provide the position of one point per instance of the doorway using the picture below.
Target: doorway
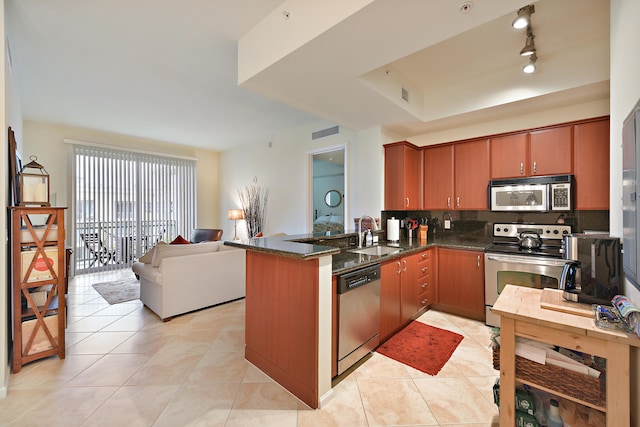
(328, 190)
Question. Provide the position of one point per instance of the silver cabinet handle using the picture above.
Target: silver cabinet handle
(458, 201)
(407, 202)
(521, 168)
(478, 261)
(404, 262)
(424, 301)
(535, 167)
(424, 269)
(448, 202)
(399, 268)
(424, 256)
(423, 286)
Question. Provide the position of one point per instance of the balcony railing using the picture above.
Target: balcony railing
(110, 245)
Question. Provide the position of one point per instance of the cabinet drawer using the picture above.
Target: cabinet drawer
(425, 299)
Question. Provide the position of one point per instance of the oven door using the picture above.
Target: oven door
(520, 270)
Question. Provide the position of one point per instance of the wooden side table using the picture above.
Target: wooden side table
(521, 315)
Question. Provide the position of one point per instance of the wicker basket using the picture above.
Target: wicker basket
(569, 383)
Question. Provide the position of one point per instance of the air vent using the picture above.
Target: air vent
(325, 132)
(405, 94)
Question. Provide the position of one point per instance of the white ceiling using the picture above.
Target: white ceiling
(168, 69)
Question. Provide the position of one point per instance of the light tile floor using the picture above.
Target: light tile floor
(124, 366)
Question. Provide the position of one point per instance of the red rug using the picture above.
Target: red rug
(422, 347)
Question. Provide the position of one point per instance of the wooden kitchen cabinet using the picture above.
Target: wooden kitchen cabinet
(509, 156)
(398, 293)
(461, 283)
(402, 176)
(426, 279)
(438, 177)
(471, 177)
(541, 152)
(456, 175)
(591, 168)
(551, 151)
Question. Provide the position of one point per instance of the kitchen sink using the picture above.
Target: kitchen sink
(376, 250)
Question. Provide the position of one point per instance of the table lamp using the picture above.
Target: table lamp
(235, 215)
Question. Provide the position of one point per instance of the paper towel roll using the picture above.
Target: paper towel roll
(393, 229)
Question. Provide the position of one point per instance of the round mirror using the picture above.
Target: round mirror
(333, 198)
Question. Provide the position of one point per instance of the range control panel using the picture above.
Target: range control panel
(552, 231)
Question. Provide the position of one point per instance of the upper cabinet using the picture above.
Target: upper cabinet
(402, 176)
(438, 177)
(509, 156)
(550, 151)
(536, 153)
(591, 170)
(456, 175)
(471, 174)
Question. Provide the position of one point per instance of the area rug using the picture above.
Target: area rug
(119, 291)
(422, 347)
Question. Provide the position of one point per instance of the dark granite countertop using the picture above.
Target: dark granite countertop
(314, 245)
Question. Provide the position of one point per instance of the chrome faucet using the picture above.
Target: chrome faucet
(361, 233)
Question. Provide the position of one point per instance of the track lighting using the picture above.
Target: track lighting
(529, 47)
(531, 66)
(524, 17)
(523, 20)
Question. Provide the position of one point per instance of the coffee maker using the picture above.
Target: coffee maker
(593, 272)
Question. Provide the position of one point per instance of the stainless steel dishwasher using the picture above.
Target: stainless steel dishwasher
(358, 315)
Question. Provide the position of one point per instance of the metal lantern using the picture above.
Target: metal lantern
(34, 184)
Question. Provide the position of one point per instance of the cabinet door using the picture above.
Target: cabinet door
(509, 156)
(402, 177)
(591, 165)
(551, 152)
(461, 283)
(471, 174)
(389, 298)
(438, 177)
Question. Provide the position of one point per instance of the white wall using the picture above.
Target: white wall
(11, 117)
(281, 165)
(625, 92)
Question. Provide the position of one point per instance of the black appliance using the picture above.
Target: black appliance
(593, 273)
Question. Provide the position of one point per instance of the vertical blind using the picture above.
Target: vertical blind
(126, 202)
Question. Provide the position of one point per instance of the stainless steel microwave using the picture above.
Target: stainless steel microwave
(553, 193)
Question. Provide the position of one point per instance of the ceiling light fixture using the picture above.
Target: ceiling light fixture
(529, 47)
(531, 66)
(524, 17)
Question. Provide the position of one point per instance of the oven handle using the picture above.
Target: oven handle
(526, 260)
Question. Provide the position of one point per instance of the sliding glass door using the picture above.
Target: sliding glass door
(126, 202)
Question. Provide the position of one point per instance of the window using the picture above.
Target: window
(125, 202)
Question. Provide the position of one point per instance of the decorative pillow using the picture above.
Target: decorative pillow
(180, 241)
(148, 257)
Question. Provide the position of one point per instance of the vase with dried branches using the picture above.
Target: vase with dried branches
(254, 207)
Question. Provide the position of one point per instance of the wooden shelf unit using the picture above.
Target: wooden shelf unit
(38, 261)
(521, 315)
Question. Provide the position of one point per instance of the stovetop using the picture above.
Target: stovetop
(506, 239)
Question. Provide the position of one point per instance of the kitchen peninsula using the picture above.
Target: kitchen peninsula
(291, 304)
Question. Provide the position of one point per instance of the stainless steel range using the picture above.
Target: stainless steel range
(523, 255)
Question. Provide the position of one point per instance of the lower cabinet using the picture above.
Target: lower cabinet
(426, 279)
(400, 290)
(461, 283)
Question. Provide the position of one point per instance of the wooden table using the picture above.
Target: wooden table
(521, 315)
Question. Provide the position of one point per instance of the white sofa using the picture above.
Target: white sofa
(176, 279)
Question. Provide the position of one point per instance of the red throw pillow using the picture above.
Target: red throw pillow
(180, 241)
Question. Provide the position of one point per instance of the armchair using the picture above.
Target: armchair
(205, 235)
